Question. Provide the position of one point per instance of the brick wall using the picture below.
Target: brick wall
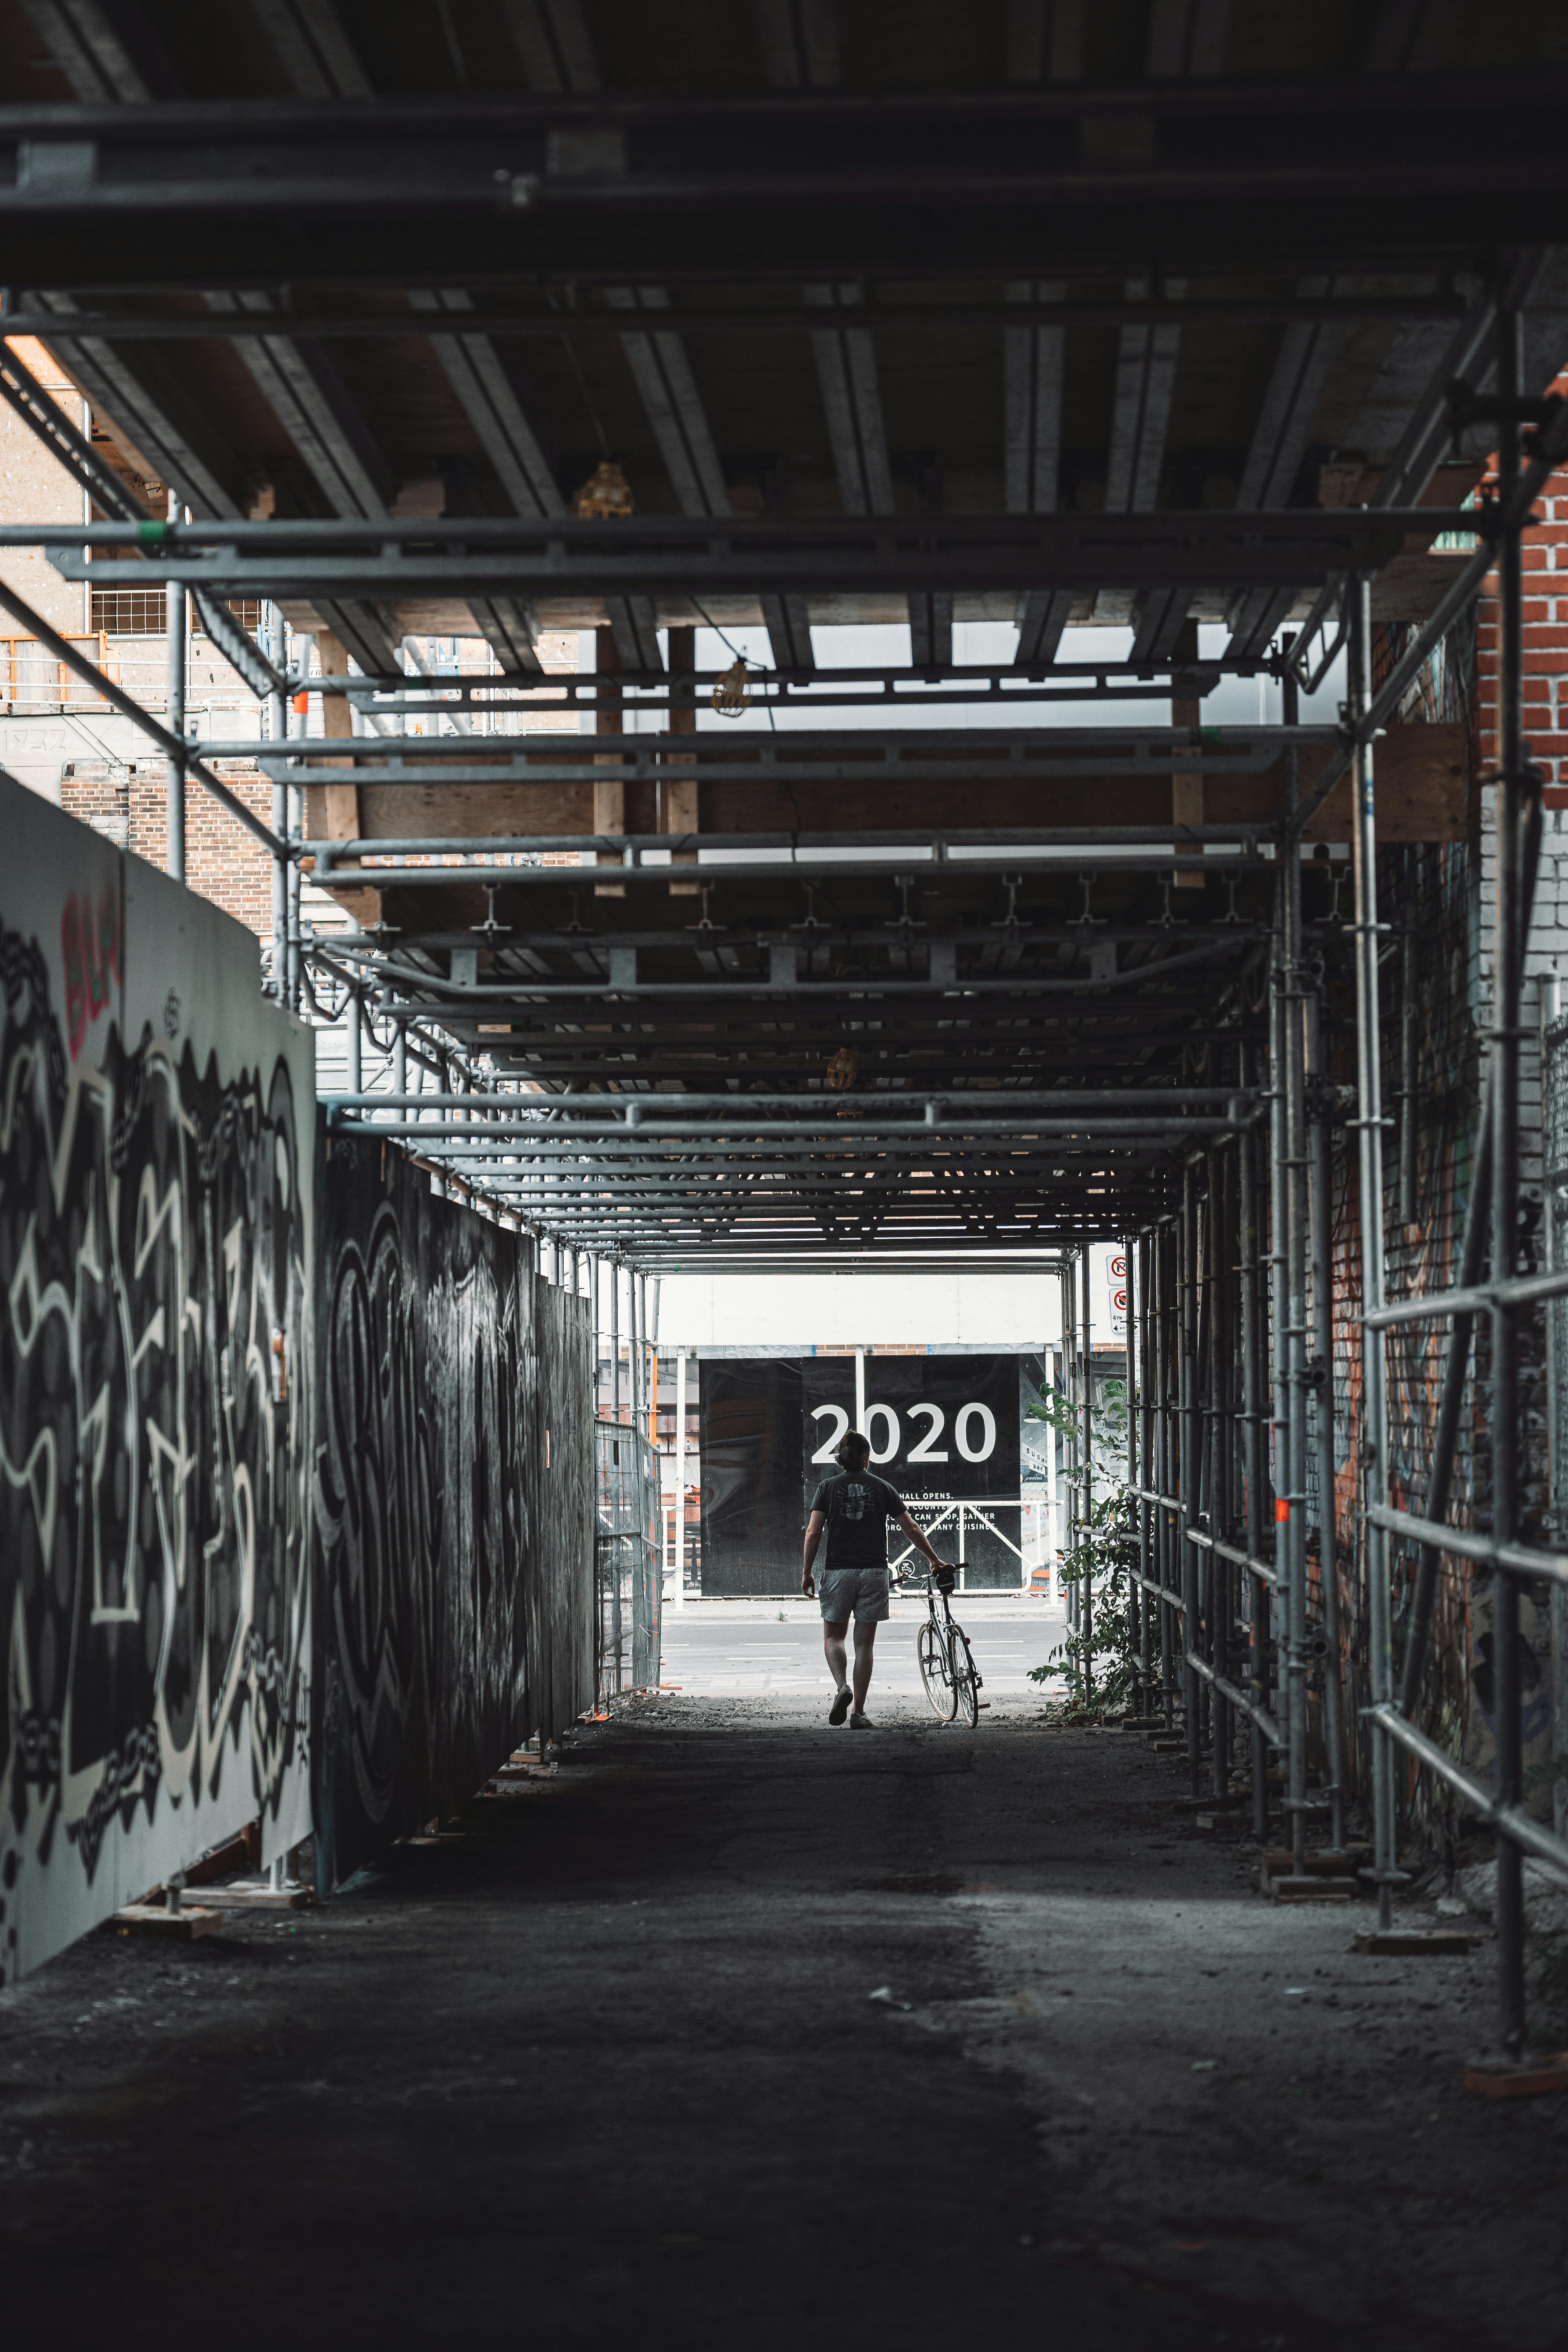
(1546, 640)
(223, 862)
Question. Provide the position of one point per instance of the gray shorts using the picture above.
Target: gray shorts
(858, 1593)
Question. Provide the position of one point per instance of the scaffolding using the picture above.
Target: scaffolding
(830, 1040)
(1239, 1633)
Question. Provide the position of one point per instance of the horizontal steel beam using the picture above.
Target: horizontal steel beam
(923, 853)
(648, 690)
(539, 771)
(1466, 1543)
(648, 1109)
(1033, 930)
(1268, 1724)
(287, 315)
(622, 185)
(1434, 1305)
(1289, 547)
(896, 685)
(1217, 858)
(998, 746)
(1509, 1821)
(737, 1123)
(1263, 1569)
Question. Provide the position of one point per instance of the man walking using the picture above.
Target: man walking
(854, 1508)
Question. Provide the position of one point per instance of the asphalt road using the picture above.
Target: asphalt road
(735, 1649)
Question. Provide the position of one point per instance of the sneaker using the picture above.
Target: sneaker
(840, 1708)
(858, 1722)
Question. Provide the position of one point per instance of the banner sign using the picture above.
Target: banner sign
(944, 1431)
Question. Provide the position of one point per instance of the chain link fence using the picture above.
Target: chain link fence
(628, 1563)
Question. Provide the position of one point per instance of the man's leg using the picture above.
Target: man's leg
(833, 1632)
(865, 1642)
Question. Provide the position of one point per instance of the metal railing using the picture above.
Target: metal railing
(1511, 1559)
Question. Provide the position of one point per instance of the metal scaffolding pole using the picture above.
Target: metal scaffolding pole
(1070, 1391)
(1086, 1588)
(1219, 1567)
(1187, 1303)
(680, 1478)
(1320, 1219)
(176, 621)
(1372, 1452)
(294, 835)
(1291, 1697)
(1167, 1525)
(635, 1310)
(1508, 959)
(1252, 1346)
(277, 731)
(1143, 1472)
(1138, 1612)
(1292, 1038)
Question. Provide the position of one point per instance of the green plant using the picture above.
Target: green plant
(1096, 1661)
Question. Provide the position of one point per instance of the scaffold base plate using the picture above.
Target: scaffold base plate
(1318, 1862)
(175, 1926)
(257, 1896)
(1308, 1889)
(1517, 2078)
(1407, 1941)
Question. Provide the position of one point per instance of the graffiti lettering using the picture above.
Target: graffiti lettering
(437, 1586)
(90, 946)
(154, 1602)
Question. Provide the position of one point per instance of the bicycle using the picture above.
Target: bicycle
(952, 1681)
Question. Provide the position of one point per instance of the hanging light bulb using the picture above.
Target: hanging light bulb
(606, 496)
(733, 691)
(844, 1069)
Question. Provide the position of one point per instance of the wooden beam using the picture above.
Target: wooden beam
(610, 792)
(678, 796)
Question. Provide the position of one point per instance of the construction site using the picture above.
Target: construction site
(743, 746)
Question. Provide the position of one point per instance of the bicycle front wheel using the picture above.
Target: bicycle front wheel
(933, 1656)
(965, 1682)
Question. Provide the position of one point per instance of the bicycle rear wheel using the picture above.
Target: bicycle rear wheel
(965, 1682)
(935, 1674)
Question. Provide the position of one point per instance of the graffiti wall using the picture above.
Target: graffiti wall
(155, 1356)
(453, 1504)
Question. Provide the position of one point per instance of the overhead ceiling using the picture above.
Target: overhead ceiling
(1031, 312)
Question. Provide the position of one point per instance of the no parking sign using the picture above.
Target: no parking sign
(1113, 1277)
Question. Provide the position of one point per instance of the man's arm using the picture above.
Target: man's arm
(918, 1539)
(814, 1528)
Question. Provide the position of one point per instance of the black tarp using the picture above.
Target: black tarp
(764, 1419)
(750, 1437)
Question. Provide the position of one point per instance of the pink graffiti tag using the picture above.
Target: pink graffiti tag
(90, 946)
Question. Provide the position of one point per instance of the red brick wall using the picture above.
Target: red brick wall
(1545, 641)
(223, 862)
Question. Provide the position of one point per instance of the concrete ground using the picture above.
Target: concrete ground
(742, 2031)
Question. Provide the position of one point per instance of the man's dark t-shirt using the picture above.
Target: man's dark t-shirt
(857, 1505)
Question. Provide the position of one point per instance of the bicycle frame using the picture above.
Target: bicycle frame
(950, 1639)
